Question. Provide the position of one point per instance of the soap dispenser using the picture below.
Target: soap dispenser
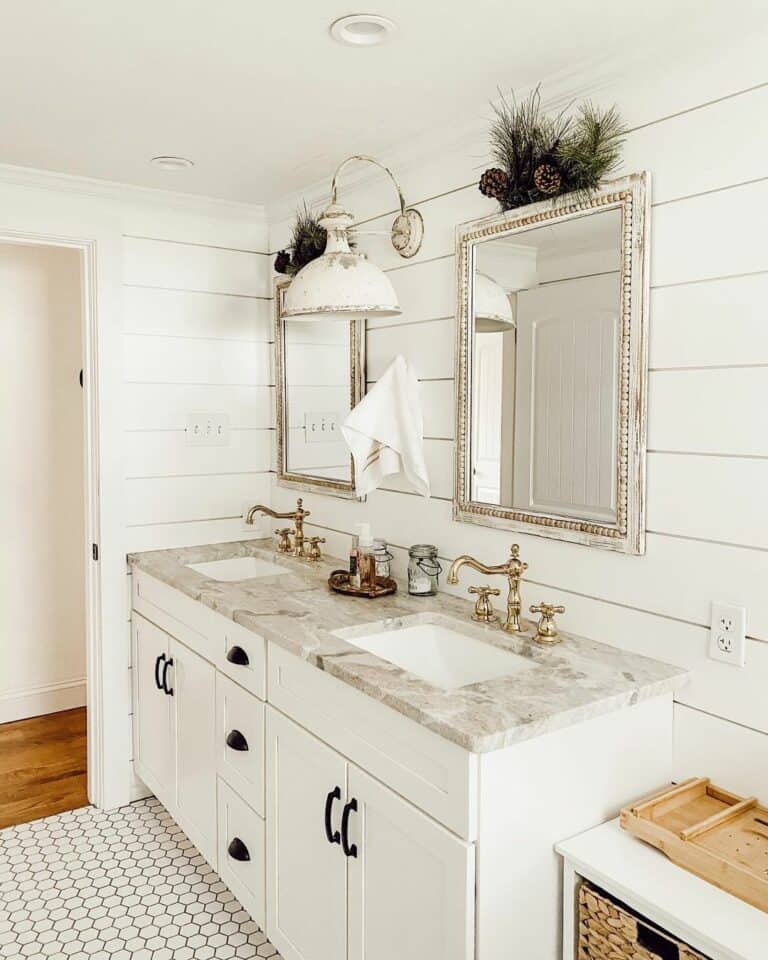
(366, 557)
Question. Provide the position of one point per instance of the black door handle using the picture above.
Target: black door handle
(166, 688)
(332, 835)
(349, 849)
(236, 741)
(238, 850)
(158, 661)
(238, 655)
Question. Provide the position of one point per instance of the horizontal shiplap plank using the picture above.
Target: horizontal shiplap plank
(712, 235)
(164, 536)
(714, 323)
(164, 453)
(676, 577)
(711, 497)
(732, 756)
(709, 411)
(316, 365)
(157, 263)
(164, 406)
(425, 291)
(181, 313)
(179, 360)
(181, 499)
(238, 227)
(428, 348)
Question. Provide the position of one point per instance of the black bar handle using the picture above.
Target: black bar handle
(236, 741)
(238, 655)
(166, 688)
(332, 835)
(238, 850)
(158, 661)
(349, 849)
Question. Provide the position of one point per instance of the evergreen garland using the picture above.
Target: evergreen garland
(308, 240)
(541, 156)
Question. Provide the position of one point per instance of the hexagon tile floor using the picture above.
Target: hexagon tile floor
(123, 885)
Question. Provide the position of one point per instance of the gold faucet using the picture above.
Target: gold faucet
(513, 570)
(298, 516)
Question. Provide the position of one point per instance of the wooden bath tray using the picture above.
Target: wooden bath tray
(717, 835)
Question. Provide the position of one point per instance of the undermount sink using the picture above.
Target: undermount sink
(237, 568)
(437, 649)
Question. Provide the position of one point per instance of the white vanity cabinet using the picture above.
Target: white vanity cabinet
(153, 747)
(354, 870)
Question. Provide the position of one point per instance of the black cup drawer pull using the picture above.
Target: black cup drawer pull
(238, 655)
(333, 836)
(166, 688)
(238, 850)
(349, 849)
(236, 741)
(158, 661)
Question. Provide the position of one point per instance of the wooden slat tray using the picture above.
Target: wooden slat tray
(717, 835)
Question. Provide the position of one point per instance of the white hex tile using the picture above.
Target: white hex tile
(120, 885)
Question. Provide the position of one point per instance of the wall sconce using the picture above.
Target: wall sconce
(492, 309)
(345, 282)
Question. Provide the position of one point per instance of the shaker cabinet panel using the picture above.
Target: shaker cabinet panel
(240, 741)
(411, 882)
(152, 709)
(306, 871)
(194, 695)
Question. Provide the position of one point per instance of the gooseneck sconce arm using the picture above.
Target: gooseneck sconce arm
(342, 282)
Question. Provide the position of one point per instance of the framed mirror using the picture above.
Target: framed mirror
(319, 378)
(552, 368)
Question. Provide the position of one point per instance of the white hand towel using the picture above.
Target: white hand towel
(385, 431)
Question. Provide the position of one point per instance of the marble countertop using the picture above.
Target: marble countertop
(566, 683)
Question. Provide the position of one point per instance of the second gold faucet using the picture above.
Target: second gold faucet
(513, 570)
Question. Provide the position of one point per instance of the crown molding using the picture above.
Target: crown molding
(114, 191)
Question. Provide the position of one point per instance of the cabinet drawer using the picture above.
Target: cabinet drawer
(240, 741)
(241, 851)
(173, 611)
(242, 656)
(436, 775)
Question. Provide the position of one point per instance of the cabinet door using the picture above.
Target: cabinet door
(306, 873)
(411, 882)
(152, 729)
(193, 682)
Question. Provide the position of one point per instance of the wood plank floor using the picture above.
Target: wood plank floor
(43, 766)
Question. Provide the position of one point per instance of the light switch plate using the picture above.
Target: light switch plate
(321, 428)
(728, 633)
(207, 430)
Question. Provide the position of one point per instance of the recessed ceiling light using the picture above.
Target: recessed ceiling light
(362, 29)
(171, 163)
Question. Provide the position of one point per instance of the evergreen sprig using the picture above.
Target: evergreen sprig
(308, 241)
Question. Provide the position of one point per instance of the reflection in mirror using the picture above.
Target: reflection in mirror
(545, 357)
(319, 375)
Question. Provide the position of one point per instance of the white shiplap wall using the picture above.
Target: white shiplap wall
(197, 339)
(704, 141)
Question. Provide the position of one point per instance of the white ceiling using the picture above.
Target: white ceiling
(261, 98)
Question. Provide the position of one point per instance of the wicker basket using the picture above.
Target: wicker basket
(610, 931)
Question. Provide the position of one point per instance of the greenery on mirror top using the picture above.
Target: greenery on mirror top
(542, 155)
(307, 243)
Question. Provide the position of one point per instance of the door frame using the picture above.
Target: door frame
(95, 675)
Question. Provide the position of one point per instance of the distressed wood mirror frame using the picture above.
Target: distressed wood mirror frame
(630, 195)
(304, 481)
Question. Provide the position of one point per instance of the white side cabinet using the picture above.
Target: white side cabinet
(152, 713)
(353, 870)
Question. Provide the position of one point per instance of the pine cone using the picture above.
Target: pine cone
(547, 178)
(494, 183)
(282, 261)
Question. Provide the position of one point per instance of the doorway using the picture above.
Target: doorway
(43, 611)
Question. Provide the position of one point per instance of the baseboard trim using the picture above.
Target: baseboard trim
(42, 699)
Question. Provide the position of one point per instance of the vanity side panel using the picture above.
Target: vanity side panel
(539, 792)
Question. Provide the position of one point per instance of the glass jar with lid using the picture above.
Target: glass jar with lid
(383, 558)
(423, 570)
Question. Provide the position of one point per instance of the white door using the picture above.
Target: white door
(192, 682)
(411, 882)
(306, 866)
(152, 727)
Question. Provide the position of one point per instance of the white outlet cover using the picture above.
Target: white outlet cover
(728, 633)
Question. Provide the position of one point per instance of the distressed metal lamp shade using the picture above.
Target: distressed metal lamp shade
(492, 308)
(340, 281)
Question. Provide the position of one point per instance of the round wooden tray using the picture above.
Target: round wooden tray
(339, 583)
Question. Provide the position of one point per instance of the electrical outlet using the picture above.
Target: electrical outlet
(727, 636)
(321, 427)
(207, 430)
